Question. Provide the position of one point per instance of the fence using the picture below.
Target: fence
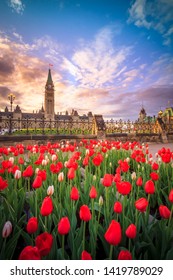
(42, 126)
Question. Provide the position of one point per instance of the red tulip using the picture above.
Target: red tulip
(139, 182)
(30, 253)
(28, 172)
(124, 188)
(93, 192)
(155, 166)
(97, 160)
(3, 184)
(149, 187)
(171, 196)
(6, 164)
(86, 161)
(113, 234)
(131, 231)
(124, 255)
(141, 204)
(21, 160)
(107, 180)
(74, 195)
(44, 243)
(37, 182)
(86, 256)
(71, 173)
(85, 213)
(154, 176)
(117, 207)
(32, 225)
(124, 166)
(164, 212)
(64, 226)
(47, 206)
(42, 174)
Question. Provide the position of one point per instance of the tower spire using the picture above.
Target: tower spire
(49, 78)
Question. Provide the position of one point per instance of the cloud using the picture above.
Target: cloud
(17, 6)
(98, 62)
(153, 15)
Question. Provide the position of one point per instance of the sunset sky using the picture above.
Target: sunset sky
(108, 56)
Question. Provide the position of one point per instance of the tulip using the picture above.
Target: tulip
(30, 253)
(71, 173)
(113, 234)
(44, 162)
(124, 255)
(93, 192)
(131, 231)
(133, 176)
(154, 176)
(11, 159)
(50, 190)
(42, 174)
(28, 172)
(3, 184)
(44, 243)
(118, 207)
(85, 213)
(124, 188)
(54, 157)
(64, 226)
(32, 225)
(100, 201)
(141, 204)
(155, 166)
(171, 196)
(60, 176)
(7, 229)
(149, 187)
(17, 174)
(164, 212)
(139, 182)
(74, 194)
(107, 180)
(85, 256)
(47, 206)
(37, 182)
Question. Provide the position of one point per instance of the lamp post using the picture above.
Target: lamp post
(11, 97)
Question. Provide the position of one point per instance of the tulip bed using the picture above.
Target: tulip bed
(87, 200)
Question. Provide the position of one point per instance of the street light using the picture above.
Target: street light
(11, 97)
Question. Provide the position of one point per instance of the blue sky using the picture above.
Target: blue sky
(108, 56)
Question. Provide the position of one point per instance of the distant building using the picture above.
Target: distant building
(142, 115)
(166, 115)
(47, 111)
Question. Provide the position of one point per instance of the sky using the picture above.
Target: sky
(110, 57)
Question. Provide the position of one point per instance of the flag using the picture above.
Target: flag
(50, 64)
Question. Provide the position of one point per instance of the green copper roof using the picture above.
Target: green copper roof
(49, 78)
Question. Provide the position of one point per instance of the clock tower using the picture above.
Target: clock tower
(49, 98)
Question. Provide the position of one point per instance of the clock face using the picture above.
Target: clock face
(49, 86)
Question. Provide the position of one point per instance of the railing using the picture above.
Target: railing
(131, 127)
(42, 126)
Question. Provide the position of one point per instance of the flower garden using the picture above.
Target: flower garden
(93, 200)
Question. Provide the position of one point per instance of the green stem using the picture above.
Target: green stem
(63, 241)
(170, 216)
(84, 228)
(110, 253)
